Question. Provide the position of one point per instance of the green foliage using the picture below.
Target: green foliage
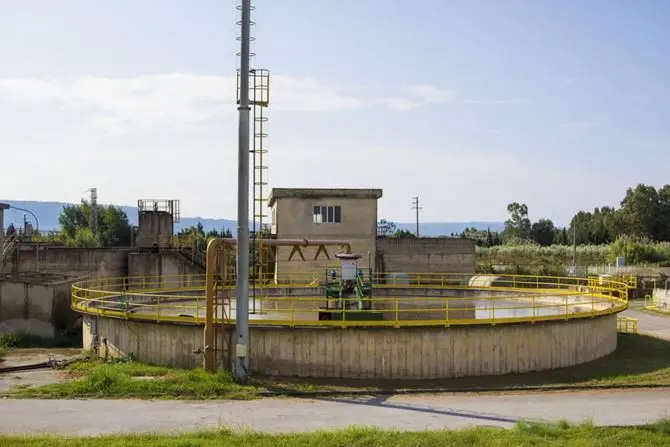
(533, 254)
(518, 225)
(522, 434)
(637, 250)
(387, 228)
(127, 378)
(113, 227)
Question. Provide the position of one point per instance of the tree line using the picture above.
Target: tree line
(643, 215)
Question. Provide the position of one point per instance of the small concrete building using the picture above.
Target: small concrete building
(156, 221)
(340, 213)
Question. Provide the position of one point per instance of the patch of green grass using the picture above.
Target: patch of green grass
(560, 434)
(125, 379)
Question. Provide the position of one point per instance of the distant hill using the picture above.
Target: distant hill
(48, 212)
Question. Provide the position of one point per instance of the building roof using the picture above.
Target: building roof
(4, 206)
(318, 193)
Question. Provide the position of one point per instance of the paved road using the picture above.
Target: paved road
(93, 417)
(655, 325)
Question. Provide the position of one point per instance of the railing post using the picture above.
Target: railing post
(534, 310)
(397, 314)
(493, 311)
(446, 309)
(293, 313)
(566, 307)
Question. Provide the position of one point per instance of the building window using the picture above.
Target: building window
(327, 214)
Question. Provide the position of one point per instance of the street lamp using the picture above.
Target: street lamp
(37, 241)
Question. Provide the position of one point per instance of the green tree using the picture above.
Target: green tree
(113, 227)
(543, 232)
(404, 234)
(386, 228)
(518, 226)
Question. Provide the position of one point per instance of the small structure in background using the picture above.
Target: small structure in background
(324, 213)
(156, 221)
(3, 207)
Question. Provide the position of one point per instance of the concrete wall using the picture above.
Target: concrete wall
(39, 307)
(294, 219)
(410, 353)
(168, 264)
(426, 255)
(110, 262)
(155, 229)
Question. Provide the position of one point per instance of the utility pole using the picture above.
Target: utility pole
(574, 246)
(94, 211)
(415, 206)
(241, 369)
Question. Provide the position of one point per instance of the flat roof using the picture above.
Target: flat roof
(4, 206)
(318, 193)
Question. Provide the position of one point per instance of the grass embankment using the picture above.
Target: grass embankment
(639, 361)
(533, 259)
(523, 434)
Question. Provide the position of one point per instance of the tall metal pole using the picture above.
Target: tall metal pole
(574, 246)
(242, 280)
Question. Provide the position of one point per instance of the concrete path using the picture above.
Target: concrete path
(93, 417)
(650, 324)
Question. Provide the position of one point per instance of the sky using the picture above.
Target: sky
(468, 105)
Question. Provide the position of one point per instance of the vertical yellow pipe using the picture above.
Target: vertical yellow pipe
(210, 273)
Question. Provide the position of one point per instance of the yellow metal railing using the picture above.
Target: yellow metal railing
(626, 325)
(652, 302)
(507, 299)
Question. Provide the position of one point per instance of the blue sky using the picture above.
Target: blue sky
(470, 105)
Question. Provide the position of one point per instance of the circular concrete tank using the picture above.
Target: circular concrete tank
(427, 329)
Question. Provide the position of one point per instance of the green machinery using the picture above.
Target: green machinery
(348, 292)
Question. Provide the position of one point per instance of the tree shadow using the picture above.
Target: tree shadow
(639, 360)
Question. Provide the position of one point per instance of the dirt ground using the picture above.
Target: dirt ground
(18, 357)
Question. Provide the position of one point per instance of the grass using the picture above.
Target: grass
(639, 361)
(127, 379)
(523, 434)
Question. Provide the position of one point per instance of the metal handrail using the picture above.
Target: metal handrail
(181, 299)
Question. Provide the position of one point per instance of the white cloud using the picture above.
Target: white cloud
(179, 101)
(419, 96)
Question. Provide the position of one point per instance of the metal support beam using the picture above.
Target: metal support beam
(241, 369)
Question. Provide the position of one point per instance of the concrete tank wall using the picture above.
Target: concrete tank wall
(169, 264)
(41, 307)
(408, 353)
(425, 255)
(110, 262)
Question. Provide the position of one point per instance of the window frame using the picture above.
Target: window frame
(327, 214)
